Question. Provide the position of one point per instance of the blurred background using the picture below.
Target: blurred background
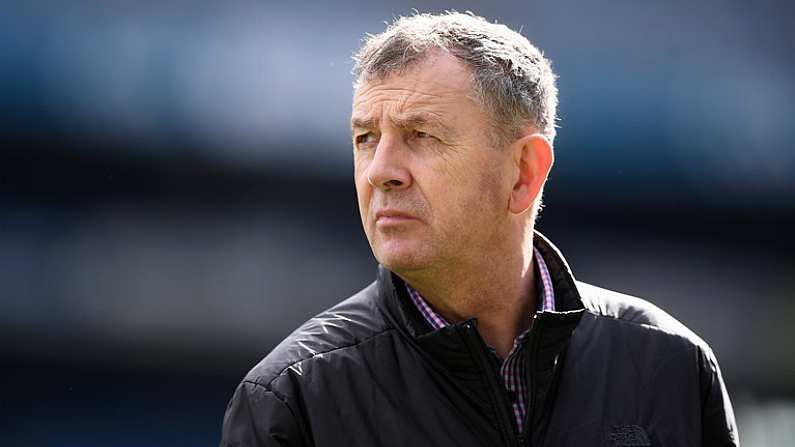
(176, 193)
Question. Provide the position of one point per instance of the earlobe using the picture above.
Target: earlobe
(534, 158)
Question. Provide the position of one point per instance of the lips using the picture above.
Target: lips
(392, 217)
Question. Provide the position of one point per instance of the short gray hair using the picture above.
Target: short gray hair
(511, 78)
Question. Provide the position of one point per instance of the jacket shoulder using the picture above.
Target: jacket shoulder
(610, 304)
(640, 317)
(344, 325)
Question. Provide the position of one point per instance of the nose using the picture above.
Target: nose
(388, 169)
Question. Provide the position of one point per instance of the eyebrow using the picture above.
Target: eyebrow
(405, 121)
(362, 123)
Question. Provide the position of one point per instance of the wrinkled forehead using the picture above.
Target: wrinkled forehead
(438, 82)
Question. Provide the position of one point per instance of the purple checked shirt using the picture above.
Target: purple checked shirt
(513, 368)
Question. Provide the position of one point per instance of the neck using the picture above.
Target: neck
(496, 289)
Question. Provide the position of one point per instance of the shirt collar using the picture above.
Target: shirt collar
(545, 303)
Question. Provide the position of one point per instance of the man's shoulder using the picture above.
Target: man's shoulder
(341, 327)
(635, 312)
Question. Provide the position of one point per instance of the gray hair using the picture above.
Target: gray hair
(510, 77)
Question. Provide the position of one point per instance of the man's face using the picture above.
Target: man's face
(431, 189)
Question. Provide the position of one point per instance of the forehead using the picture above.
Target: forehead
(437, 85)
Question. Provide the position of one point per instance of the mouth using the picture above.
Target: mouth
(389, 217)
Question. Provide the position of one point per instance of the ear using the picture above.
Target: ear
(533, 158)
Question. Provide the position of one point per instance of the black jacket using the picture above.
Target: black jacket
(606, 370)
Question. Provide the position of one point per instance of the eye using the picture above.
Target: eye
(368, 138)
(421, 134)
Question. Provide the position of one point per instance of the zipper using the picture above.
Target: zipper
(478, 346)
(535, 328)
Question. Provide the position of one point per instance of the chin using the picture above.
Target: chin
(400, 258)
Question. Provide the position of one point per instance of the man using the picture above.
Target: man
(475, 333)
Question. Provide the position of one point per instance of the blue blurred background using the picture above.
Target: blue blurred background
(176, 193)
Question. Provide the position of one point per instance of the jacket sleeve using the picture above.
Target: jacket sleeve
(257, 417)
(717, 416)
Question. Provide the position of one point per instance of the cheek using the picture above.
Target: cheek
(360, 167)
(493, 177)
(451, 199)
(364, 194)
(474, 193)
(359, 174)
